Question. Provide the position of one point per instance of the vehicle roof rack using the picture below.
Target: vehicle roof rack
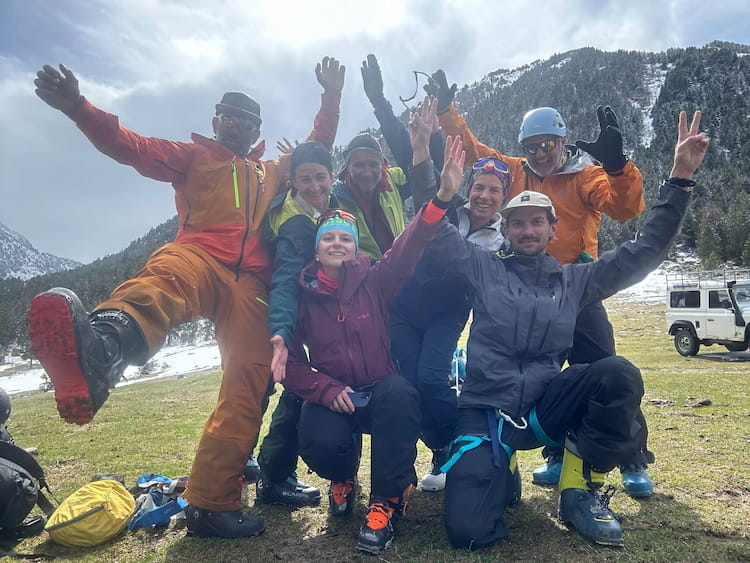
(706, 279)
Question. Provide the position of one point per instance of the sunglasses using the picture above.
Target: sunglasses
(340, 213)
(491, 166)
(546, 146)
(241, 122)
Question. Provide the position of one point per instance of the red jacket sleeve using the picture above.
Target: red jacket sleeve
(324, 130)
(152, 157)
(398, 264)
(327, 119)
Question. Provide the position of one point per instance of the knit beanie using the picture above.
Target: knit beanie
(335, 219)
(363, 142)
(311, 151)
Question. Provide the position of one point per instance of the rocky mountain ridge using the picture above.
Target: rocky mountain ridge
(19, 259)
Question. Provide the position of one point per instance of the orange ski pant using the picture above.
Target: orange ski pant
(180, 283)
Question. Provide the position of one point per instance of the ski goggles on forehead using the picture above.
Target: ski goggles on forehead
(490, 165)
(493, 166)
(334, 213)
(546, 146)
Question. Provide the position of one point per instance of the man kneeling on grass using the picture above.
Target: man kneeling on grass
(515, 395)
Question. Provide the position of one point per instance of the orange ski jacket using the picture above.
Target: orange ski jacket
(580, 192)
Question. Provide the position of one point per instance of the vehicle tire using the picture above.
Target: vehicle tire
(736, 347)
(685, 343)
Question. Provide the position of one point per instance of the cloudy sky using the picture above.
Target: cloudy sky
(161, 65)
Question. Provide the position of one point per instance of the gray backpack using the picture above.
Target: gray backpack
(21, 484)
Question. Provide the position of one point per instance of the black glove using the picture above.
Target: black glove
(607, 148)
(373, 81)
(438, 87)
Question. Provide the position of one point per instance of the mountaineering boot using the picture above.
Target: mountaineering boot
(341, 496)
(435, 479)
(252, 470)
(84, 354)
(290, 492)
(636, 481)
(202, 523)
(548, 474)
(582, 507)
(376, 533)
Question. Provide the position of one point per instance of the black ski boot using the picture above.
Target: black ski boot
(202, 523)
(290, 492)
(84, 354)
(377, 532)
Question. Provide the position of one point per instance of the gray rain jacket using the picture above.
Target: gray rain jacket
(525, 307)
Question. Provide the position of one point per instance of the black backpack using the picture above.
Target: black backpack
(21, 484)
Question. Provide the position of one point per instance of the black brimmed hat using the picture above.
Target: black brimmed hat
(239, 103)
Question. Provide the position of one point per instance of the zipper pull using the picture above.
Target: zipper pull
(260, 177)
(236, 187)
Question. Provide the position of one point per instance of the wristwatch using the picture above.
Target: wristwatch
(681, 183)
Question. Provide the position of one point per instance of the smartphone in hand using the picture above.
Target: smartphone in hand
(360, 398)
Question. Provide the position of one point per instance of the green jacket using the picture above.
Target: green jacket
(291, 232)
(391, 202)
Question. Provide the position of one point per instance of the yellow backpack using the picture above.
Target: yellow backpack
(93, 514)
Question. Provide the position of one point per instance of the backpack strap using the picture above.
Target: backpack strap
(24, 459)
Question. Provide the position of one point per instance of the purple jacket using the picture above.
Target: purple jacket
(347, 334)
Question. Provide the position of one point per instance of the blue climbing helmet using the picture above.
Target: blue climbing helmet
(542, 121)
(4, 406)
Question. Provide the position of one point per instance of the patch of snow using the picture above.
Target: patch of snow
(502, 78)
(655, 77)
(563, 62)
(651, 290)
(17, 376)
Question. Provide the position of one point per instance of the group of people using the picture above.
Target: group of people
(314, 279)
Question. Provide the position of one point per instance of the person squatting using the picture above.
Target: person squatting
(317, 281)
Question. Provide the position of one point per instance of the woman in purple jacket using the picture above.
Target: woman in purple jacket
(349, 384)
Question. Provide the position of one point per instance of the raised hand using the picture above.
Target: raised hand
(58, 90)
(690, 148)
(421, 126)
(278, 358)
(438, 87)
(330, 74)
(453, 169)
(286, 146)
(372, 80)
(607, 148)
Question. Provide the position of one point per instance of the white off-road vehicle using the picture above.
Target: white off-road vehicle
(709, 307)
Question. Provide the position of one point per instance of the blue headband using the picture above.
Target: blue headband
(340, 223)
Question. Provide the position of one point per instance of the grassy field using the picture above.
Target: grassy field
(699, 418)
